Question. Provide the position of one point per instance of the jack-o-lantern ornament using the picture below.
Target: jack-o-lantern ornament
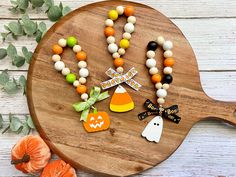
(97, 121)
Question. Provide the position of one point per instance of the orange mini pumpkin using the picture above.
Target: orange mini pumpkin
(30, 154)
(97, 122)
(58, 168)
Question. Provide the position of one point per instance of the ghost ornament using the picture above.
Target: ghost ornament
(153, 130)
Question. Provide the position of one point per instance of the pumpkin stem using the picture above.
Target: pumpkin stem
(95, 111)
(25, 159)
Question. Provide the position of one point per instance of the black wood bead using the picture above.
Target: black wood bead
(168, 78)
(152, 45)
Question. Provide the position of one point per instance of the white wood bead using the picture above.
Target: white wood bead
(166, 86)
(111, 39)
(127, 36)
(76, 83)
(65, 71)
(168, 54)
(116, 55)
(160, 40)
(153, 70)
(84, 72)
(151, 54)
(82, 80)
(109, 22)
(129, 28)
(56, 58)
(160, 101)
(120, 69)
(77, 48)
(158, 85)
(59, 65)
(168, 45)
(62, 42)
(112, 48)
(131, 19)
(151, 63)
(167, 70)
(161, 93)
(120, 10)
(82, 64)
(84, 96)
(121, 51)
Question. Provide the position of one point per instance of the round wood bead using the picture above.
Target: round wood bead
(166, 86)
(131, 19)
(113, 14)
(152, 45)
(120, 69)
(112, 48)
(57, 49)
(121, 51)
(168, 78)
(153, 70)
(76, 83)
(160, 101)
(151, 54)
(168, 54)
(129, 28)
(167, 70)
(129, 10)
(81, 89)
(83, 72)
(82, 64)
(81, 56)
(156, 78)
(109, 31)
(70, 78)
(82, 80)
(65, 71)
(168, 45)
(124, 43)
(84, 96)
(127, 36)
(160, 40)
(151, 62)
(161, 93)
(111, 39)
(77, 48)
(62, 42)
(59, 65)
(169, 62)
(119, 62)
(158, 85)
(116, 55)
(120, 10)
(56, 58)
(109, 22)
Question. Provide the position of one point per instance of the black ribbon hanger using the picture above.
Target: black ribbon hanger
(152, 109)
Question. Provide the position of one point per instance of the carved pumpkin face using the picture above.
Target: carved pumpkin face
(97, 122)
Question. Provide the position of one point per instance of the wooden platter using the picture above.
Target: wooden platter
(120, 151)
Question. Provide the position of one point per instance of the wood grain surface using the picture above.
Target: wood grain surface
(50, 98)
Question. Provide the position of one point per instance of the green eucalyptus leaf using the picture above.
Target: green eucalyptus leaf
(22, 82)
(23, 4)
(1, 121)
(10, 87)
(3, 53)
(13, 10)
(30, 122)
(65, 10)
(6, 28)
(29, 26)
(42, 27)
(11, 51)
(54, 13)
(18, 61)
(4, 36)
(15, 28)
(15, 124)
(25, 129)
(49, 3)
(4, 77)
(13, 2)
(27, 54)
(37, 3)
(38, 36)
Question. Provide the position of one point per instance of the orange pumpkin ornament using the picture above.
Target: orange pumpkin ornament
(58, 168)
(30, 154)
(97, 121)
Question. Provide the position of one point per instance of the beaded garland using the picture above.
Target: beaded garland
(121, 100)
(153, 130)
(89, 123)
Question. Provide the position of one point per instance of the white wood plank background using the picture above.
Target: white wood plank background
(210, 26)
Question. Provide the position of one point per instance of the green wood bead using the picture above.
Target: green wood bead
(70, 78)
(71, 41)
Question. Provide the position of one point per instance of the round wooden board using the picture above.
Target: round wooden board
(119, 151)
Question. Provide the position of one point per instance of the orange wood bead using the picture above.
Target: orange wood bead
(119, 62)
(109, 31)
(57, 49)
(129, 11)
(81, 89)
(156, 78)
(169, 62)
(81, 56)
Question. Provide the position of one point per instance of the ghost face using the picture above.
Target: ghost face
(153, 130)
